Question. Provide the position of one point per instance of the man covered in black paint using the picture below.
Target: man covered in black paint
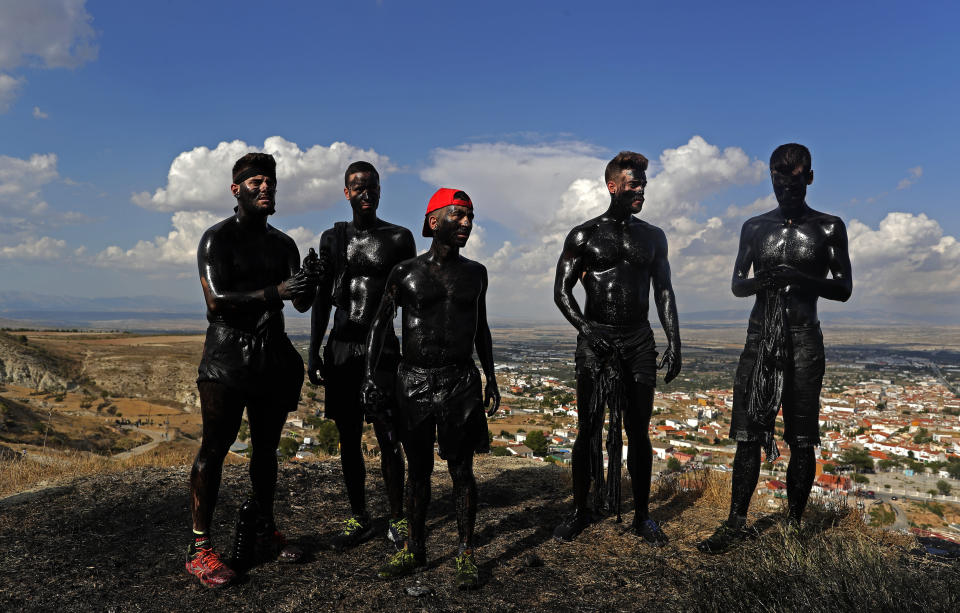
(358, 255)
(616, 257)
(792, 250)
(443, 296)
(247, 269)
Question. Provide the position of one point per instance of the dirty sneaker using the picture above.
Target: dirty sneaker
(468, 575)
(397, 532)
(572, 526)
(400, 564)
(728, 534)
(650, 532)
(205, 564)
(355, 530)
(273, 545)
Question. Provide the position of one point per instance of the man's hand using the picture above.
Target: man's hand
(373, 399)
(491, 393)
(303, 283)
(779, 276)
(315, 370)
(672, 362)
(602, 348)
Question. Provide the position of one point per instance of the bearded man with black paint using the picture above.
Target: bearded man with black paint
(616, 257)
(443, 297)
(247, 270)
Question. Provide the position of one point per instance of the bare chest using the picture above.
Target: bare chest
(615, 246)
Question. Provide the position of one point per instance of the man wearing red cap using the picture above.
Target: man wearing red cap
(616, 257)
(443, 296)
(358, 255)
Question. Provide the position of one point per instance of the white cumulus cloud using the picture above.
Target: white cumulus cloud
(38, 249)
(178, 248)
(38, 114)
(913, 175)
(9, 89)
(307, 179)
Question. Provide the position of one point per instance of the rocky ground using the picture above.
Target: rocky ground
(115, 542)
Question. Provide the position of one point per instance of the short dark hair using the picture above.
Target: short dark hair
(359, 166)
(260, 161)
(625, 160)
(786, 158)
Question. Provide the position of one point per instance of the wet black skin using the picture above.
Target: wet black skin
(374, 247)
(238, 258)
(793, 247)
(443, 296)
(616, 257)
(242, 255)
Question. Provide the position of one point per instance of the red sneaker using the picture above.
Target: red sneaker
(206, 566)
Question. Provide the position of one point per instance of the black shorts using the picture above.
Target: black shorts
(803, 380)
(261, 365)
(343, 370)
(448, 400)
(635, 347)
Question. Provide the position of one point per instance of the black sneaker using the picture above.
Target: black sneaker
(355, 530)
(468, 575)
(727, 535)
(650, 532)
(572, 526)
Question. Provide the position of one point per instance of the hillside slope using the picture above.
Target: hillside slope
(115, 542)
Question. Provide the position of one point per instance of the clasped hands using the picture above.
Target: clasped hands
(778, 276)
(305, 281)
(605, 350)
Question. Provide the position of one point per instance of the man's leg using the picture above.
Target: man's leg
(746, 474)
(358, 527)
(636, 421)
(266, 426)
(800, 474)
(589, 422)
(221, 410)
(418, 446)
(464, 496)
(391, 466)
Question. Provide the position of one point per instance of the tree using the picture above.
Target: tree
(858, 478)
(943, 487)
(887, 464)
(327, 436)
(500, 451)
(922, 436)
(858, 458)
(830, 469)
(953, 469)
(673, 464)
(537, 442)
(288, 446)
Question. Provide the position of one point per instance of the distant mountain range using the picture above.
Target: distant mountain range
(137, 312)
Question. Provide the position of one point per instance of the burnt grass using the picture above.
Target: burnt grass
(115, 542)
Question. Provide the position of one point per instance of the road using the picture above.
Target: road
(156, 436)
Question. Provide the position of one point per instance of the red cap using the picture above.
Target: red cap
(444, 196)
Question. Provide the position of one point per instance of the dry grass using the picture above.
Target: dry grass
(60, 466)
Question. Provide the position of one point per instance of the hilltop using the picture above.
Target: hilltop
(114, 541)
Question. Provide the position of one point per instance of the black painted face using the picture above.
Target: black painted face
(630, 187)
(454, 224)
(363, 192)
(790, 188)
(257, 195)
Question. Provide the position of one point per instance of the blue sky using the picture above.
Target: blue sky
(119, 122)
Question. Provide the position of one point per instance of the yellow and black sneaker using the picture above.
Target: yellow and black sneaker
(402, 563)
(397, 532)
(355, 530)
(468, 575)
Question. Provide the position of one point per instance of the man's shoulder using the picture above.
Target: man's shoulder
(392, 228)
(645, 226)
(219, 229)
(280, 236)
(582, 233)
(825, 219)
(472, 265)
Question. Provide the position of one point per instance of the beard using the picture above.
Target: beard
(247, 200)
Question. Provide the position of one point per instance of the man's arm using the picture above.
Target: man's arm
(484, 344)
(320, 315)
(840, 285)
(569, 269)
(666, 309)
(743, 286)
(378, 330)
(301, 282)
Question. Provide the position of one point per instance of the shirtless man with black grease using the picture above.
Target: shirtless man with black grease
(247, 269)
(616, 257)
(443, 296)
(792, 250)
(357, 256)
